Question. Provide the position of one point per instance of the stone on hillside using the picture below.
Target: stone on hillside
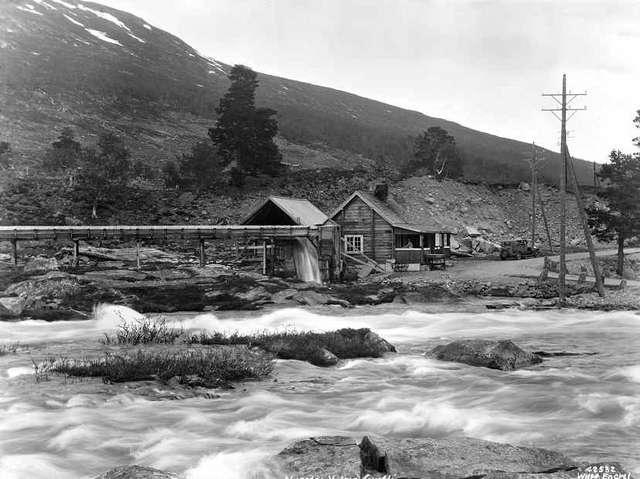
(11, 306)
(503, 354)
(136, 472)
(447, 458)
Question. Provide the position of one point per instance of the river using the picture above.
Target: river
(587, 407)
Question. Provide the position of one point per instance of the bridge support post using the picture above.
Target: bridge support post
(203, 254)
(264, 257)
(14, 247)
(76, 253)
(329, 251)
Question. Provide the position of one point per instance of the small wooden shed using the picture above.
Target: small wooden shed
(281, 254)
(375, 227)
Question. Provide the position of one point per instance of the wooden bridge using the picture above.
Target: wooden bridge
(326, 237)
(73, 233)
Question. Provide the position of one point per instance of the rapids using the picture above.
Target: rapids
(587, 407)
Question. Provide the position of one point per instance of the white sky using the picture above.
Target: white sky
(483, 64)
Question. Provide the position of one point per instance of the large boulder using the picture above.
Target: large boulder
(325, 349)
(349, 343)
(136, 472)
(325, 456)
(494, 354)
(427, 458)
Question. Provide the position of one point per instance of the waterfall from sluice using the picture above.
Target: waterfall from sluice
(305, 259)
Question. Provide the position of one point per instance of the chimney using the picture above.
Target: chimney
(380, 190)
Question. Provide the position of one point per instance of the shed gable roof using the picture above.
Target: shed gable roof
(302, 212)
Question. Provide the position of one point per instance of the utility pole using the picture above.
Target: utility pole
(544, 219)
(563, 175)
(534, 187)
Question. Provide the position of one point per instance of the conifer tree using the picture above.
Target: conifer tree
(244, 134)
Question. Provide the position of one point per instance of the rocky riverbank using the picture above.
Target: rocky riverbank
(385, 457)
(57, 288)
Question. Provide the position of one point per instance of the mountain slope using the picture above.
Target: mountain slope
(97, 68)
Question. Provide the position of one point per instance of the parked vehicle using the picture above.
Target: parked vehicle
(517, 249)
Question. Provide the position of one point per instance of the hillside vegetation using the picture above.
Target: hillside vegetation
(98, 69)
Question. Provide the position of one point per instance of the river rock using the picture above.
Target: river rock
(325, 358)
(427, 458)
(283, 296)
(346, 342)
(136, 472)
(324, 456)
(311, 298)
(11, 307)
(254, 294)
(301, 349)
(115, 274)
(503, 354)
(325, 349)
(40, 265)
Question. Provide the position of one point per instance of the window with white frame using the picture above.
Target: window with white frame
(353, 243)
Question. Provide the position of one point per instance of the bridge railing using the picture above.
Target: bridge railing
(34, 233)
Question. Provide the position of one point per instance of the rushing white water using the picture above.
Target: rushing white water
(305, 258)
(585, 406)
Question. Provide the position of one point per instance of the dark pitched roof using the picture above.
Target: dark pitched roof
(392, 213)
(302, 212)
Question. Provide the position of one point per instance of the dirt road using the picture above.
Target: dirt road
(492, 269)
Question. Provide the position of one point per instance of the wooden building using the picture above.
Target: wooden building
(374, 227)
(284, 256)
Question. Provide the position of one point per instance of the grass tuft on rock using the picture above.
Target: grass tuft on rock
(144, 331)
(207, 367)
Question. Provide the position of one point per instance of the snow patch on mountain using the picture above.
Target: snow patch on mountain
(28, 8)
(72, 20)
(137, 38)
(215, 64)
(65, 4)
(148, 27)
(104, 16)
(45, 4)
(102, 36)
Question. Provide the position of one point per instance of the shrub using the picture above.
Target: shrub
(144, 331)
(10, 348)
